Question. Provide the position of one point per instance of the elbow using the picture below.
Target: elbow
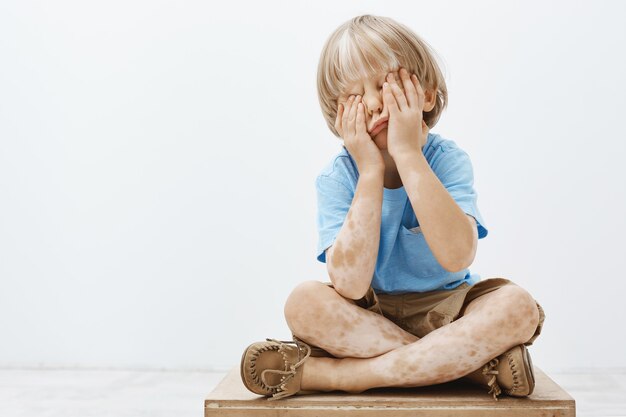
(463, 257)
(455, 265)
(350, 292)
(460, 260)
(348, 288)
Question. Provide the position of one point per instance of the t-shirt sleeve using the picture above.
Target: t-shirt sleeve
(333, 202)
(458, 178)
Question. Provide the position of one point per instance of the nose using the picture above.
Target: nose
(373, 101)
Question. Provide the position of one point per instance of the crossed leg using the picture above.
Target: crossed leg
(374, 352)
(317, 314)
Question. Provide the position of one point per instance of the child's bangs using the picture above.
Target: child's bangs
(362, 55)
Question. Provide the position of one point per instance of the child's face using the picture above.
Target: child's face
(371, 90)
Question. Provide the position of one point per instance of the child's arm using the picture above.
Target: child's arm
(450, 233)
(352, 258)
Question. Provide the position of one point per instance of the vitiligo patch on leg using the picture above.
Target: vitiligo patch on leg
(345, 329)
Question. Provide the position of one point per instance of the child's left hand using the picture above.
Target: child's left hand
(406, 129)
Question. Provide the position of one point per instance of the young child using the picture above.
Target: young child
(398, 228)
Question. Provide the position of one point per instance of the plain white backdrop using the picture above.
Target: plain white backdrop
(158, 159)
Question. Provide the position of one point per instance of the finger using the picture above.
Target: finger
(389, 99)
(338, 118)
(409, 88)
(352, 117)
(420, 92)
(397, 92)
(360, 120)
(346, 113)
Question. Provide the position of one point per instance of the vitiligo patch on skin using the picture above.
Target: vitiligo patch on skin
(326, 319)
(346, 257)
(356, 244)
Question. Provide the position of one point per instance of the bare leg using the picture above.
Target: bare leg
(492, 324)
(317, 314)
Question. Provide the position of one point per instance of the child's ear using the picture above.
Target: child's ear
(430, 99)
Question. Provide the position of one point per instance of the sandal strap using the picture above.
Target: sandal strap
(292, 371)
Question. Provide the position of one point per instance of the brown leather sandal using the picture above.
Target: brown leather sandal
(511, 372)
(274, 367)
(516, 376)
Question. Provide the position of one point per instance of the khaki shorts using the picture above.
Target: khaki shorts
(420, 313)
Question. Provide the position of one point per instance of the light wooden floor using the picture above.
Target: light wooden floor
(86, 393)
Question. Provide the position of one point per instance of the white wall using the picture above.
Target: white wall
(157, 167)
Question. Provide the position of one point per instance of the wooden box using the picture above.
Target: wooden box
(456, 398)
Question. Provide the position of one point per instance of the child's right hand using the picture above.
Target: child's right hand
(350, 124)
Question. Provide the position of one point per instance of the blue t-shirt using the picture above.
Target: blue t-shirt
(405, 263)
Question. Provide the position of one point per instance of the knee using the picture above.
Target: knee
(523, 310)
(302, 298)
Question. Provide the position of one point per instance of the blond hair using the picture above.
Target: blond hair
(367, 45)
